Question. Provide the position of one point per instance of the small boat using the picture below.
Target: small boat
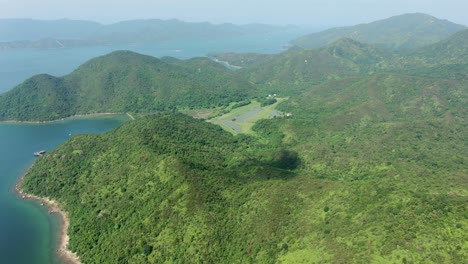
(39, 153)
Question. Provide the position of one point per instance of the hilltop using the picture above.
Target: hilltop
(448, 52)
(297, 70)
(169, 187)
(403, 32)
(124, 81)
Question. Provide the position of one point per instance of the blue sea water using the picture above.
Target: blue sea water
(17, 65)
(27, 232)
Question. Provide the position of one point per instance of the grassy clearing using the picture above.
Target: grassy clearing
(242, 119)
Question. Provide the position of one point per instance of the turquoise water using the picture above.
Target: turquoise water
(27, 231)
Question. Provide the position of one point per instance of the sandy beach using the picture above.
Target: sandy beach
(63, 252)
(67, 118)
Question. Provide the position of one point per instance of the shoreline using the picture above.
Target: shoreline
(62, 251)
(63, 119)
(227, 64)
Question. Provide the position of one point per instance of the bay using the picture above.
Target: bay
(28, 234)
(18, 65)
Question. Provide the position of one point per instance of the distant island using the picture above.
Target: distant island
(44, 34)
(363, 160)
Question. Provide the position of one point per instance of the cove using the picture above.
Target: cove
(28, 234)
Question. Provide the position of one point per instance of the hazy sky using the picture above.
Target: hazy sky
(300, 12)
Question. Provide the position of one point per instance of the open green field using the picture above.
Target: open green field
(242, 119)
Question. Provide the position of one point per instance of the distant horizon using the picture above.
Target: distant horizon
(218, 23)
(330, 13)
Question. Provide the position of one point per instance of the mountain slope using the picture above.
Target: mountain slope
(447, 59)
(397, 143)
(453, 50)
(124, 81)
(294, 71)
(378, 156)
(407, 31)
(167, 188)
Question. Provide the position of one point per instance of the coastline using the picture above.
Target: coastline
(227, 64)
(63, 253)
(63, 119)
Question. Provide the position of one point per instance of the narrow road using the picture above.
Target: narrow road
(129, 115)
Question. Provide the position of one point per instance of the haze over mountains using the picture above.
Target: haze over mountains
(28, 33)
(406, 31)
(367, 166)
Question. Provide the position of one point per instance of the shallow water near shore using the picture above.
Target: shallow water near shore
(26, 229)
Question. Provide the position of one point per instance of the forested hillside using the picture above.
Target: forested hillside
(365, 161)
(379, 156)
(170, 188)
(294, 71)
(125, 81)
(447, 59)
(297, 70)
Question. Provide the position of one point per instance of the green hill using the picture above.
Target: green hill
(395, 144)
(170, 188)
(364, 169)
(447, 59)
(450, 51)
(406, 31)
(296, 70)
(124, 81)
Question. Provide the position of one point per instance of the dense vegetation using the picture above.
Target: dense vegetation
(446, 59)
(124, 81)
(295, 71)
(170, 188)
(393, 147)
(402, 32)
(368, 166)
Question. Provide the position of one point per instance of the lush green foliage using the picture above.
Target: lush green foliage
(295, 71)
(446, 59)
(170, 188)
(124, 81)
(407, 31)
(393, 148)
(268, 101)
(368, 165)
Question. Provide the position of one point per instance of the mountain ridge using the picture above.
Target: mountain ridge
(404, 32)
(124, 81)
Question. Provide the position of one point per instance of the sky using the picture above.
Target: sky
(278, 12)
